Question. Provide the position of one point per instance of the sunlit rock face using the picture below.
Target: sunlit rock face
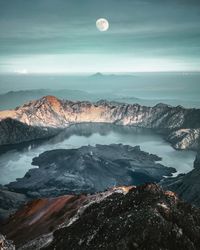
(50, 112)
(185, 138)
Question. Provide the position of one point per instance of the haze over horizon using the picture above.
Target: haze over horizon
(48, 36)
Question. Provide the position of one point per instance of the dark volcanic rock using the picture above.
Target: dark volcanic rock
(186, 185)
(147, 218)
(54, 113)
(13, 131)
(143, 218)
(89, 169)
(197, 161)
(10, 202)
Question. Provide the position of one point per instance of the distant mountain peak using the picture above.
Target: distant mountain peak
(98, 74)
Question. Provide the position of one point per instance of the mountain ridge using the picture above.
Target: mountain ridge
(143, 218)
(52, 112)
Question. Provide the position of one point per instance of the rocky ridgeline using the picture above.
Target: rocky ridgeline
(42, 216)
(50, 112)
(143, 218)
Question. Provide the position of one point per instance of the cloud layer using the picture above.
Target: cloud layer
(140, 31)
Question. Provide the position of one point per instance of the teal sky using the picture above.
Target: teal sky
(60, 36)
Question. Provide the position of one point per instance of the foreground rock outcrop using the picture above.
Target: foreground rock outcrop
(89, 169)
(33, 224)
(144, 218)
(50, 112)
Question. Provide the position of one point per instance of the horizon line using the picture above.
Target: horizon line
(98, 72)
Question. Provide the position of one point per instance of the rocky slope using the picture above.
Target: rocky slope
(54, 113)
(13, 131)
(10, 202)
(146, 218)
(186, 185)
(89, 169)
(143, 218)
(39, 218)
(185, 139)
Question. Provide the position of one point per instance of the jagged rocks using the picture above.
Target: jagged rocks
(142, 218)
(33, 224)
(147, 218)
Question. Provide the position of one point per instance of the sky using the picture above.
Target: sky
(60, 36)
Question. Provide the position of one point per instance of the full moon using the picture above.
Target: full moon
(102, 24)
